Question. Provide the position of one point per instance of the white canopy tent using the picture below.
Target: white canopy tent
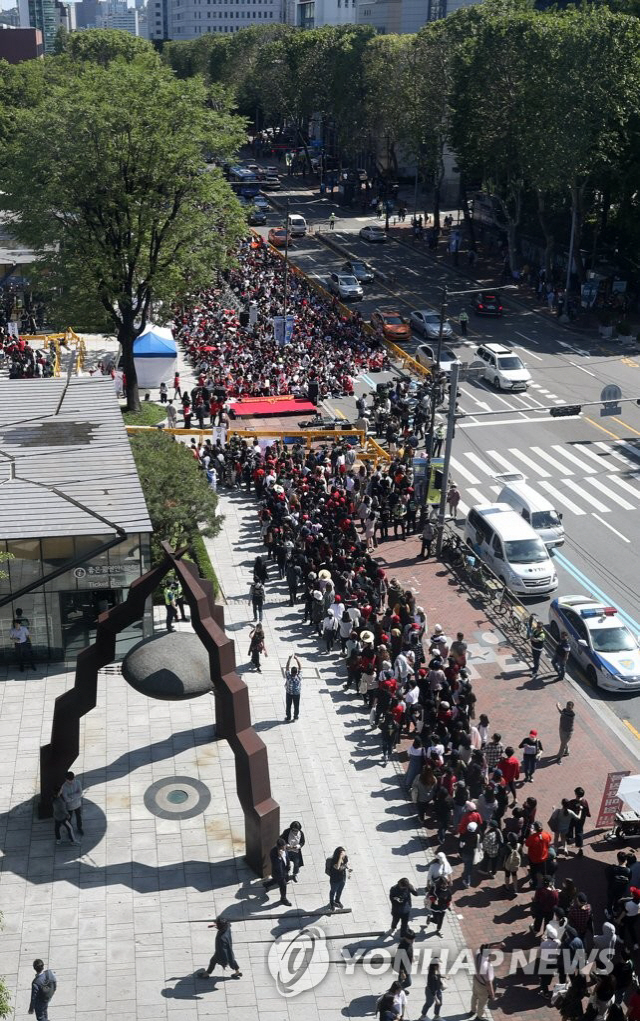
(155, 356)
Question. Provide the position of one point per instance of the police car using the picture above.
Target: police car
(605, 648)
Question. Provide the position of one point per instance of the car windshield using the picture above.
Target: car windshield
(358, 267)
(447, 356)
(545, 519)
(612, 639)
(526, 551)
(489, 297)
(393, 320)
(510, 363)
(348, 281)
(376, 230)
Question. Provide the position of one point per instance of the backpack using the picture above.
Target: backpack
(328, 865)
(512, 861)
(46, 986)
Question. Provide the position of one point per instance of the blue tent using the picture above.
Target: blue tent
(155, 356)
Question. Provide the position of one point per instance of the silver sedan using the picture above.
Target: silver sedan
(427, 322)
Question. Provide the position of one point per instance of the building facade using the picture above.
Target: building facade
(117, 14)
(400, 16)
(188, 19)
(316, 13)
(16, 45)
(73, 519)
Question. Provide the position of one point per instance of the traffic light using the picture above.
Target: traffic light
(566, 410)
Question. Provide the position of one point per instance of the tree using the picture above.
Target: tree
(181, 505)
(107, 182)
(103, 45)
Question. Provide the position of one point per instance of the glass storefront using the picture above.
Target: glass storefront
(62, 614)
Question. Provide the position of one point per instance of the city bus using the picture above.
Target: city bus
(243, 181)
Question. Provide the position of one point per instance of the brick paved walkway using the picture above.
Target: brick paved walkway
(515, 704)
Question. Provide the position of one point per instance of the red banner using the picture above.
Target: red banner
(611, 803)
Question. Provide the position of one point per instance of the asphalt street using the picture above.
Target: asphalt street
(588, 465)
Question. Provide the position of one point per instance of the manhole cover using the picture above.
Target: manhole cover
(177, 797)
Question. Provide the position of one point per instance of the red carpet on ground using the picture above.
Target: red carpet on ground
(261, 406)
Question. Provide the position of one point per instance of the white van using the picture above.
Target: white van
(533, 507)
(297, 225)
(511, 548)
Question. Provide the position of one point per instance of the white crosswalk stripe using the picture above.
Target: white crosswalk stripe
(561, 498)
(575, 488)
(604, 465)
(461, 470)
(542, 472)
(586, 468)
(502, 460)
(624, 485)
(546, 456)
(610, 494)
(482, 465)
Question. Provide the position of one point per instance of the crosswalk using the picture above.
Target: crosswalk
(579, 478)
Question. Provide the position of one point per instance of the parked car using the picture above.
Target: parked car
(277, 237)
(391, 324)
(346, 287)
(501, 367)
(257, 218)
(427, 322)
(487, 303)
(372, 233)
(426, 354)
(359, 270)
(602, 643)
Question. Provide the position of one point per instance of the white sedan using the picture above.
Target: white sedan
(427, 322)
(372, 233)
(601, 642)
(426, 354)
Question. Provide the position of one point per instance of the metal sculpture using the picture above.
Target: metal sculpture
(232, 710)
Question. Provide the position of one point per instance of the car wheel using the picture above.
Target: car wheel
(592, 676)
(496, 382)
(554, 630)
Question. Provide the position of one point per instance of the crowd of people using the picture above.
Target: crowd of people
(22, 360)
(321, 514)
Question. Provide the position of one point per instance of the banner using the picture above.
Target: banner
(610, 804)
(288, 329)
(278, 330)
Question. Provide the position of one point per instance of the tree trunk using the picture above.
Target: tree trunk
(126, 336)
(550, 241)
(577, 195)
(468, 218)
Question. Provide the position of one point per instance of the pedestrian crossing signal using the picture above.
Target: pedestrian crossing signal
(565, 411)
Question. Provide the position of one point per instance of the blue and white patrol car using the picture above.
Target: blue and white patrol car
(606, 649)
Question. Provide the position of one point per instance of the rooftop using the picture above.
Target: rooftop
(65, 460)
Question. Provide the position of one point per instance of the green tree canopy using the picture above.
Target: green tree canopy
(107, 182)
(102, 45)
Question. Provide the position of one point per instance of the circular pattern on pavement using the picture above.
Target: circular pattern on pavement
(177, 797)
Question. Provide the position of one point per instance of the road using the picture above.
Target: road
(588, 466)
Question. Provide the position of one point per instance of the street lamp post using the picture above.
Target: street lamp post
(286, 262)
(434, 387)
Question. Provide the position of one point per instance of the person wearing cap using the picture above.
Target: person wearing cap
(531, 751)
(548, 957)
(317, 611)
(469, 847)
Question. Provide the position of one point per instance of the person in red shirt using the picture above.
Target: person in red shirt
(510, 767)
(470, 815)
(537, 845)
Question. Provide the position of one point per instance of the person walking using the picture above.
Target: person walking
(469, 841)
(337, 869)
(177, 393)
(561, 655)
(537, 640)
(511, 864)
(172, 415)
(403, 959)
(545, 900)
(560, 822)
(72, 794)
(279, 870)
(256, 598)
(293, 687)
(61, 817)
(537, 844)
(483, 982)
(463, 319)
(43, 987)
(453, 499)
(256, 647)
(565, 728)
(428, 535)
(179, 598)
(295, 841)
(433, 992)
(400, 897)
(332, 221)
(443, 894)
(580, 806)
(223, 953)
(21, 638)
(170, 606)
(531, 750)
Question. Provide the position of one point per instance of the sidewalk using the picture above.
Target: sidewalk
(515, 704)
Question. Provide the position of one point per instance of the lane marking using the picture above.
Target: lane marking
(594, 590)
(586, 468)
(611, 495)
(633, 451)
(629, 724)
(524, 337)
(477, 496)
(547, 457)
(586, 496)
(562, 499)
(598, 426)
(625, 425)
(611, 528)
(531, 354)
(624, 485)
(512, 421)
(461, 470)
(480, 464)
(542, 472)
(483, 404)
(502, 460)
(584, 449)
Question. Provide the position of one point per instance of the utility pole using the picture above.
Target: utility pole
(565, 308)
(435, 372)
(286, 263)
(451, 428)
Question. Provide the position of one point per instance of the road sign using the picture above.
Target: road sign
(610, 396)
(610, 804)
